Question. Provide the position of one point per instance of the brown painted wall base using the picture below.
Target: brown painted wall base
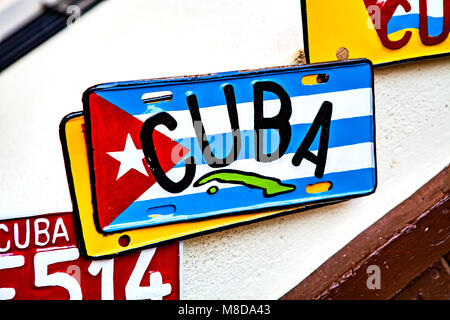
(403, 243)
(433, 284)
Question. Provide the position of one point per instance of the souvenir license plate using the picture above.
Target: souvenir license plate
(382, 31)
(40, 259)
(182, 149)
(100, 245)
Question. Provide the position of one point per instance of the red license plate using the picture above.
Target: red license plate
(40, 259)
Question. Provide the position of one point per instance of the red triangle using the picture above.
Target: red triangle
(110, 127)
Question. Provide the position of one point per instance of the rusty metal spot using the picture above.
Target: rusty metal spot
(299, 57)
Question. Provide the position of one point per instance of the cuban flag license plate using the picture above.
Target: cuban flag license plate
(182, 149)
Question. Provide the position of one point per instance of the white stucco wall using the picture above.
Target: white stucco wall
(127, 40)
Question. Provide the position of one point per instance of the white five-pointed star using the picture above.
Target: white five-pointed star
(129, 158)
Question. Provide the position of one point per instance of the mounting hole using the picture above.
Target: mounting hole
(342, 54)
(155, 97)
(124, 240)
(161, 210)
(319, 187)
(314, 79)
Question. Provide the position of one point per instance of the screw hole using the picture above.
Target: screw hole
(161, 210)
(155, 97)
(314, 79)
(342, 54)
(319, 187)
(124, 240)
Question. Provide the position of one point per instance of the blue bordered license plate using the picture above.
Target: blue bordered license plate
(180, 149)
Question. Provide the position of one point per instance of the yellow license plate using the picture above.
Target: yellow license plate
(382, 31)
(95, 244)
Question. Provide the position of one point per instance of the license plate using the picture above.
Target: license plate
(40, 259)
(182, 149)
(383, 31)
(100, 245)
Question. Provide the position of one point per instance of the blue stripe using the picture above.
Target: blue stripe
(342, 132)
(210, 93)
(241, 198)
(411, 21)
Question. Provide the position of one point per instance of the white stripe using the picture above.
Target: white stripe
(435, 8)
(346, 104)
(339, 159)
